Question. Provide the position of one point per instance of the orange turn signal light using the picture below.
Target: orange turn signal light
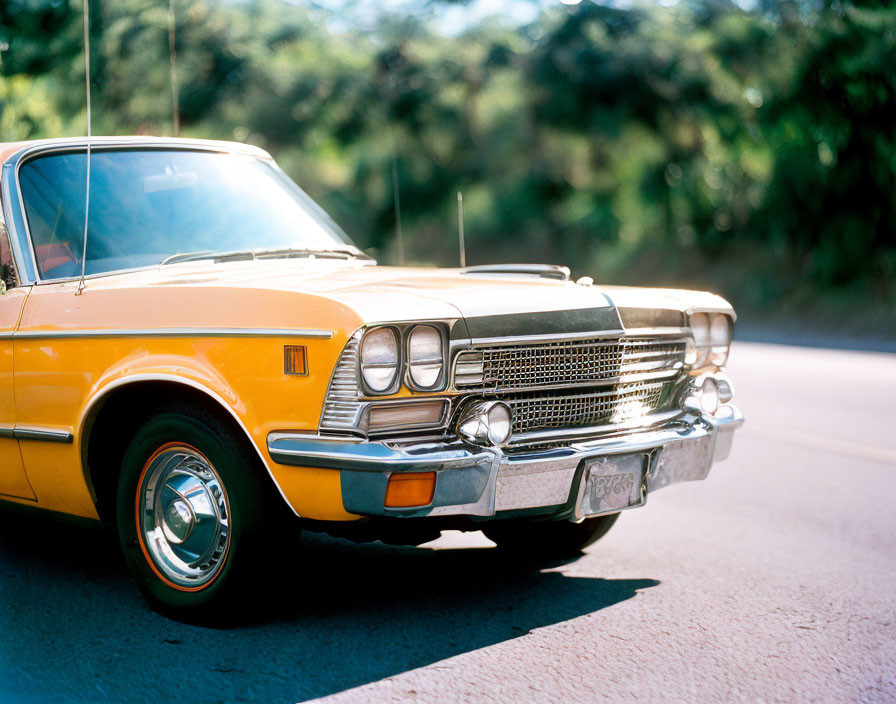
(407, 489)
(295, 361)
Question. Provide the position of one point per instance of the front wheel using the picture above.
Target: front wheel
(193, 513)
(551, 540)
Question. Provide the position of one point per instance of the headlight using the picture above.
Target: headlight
(719, 339)
(425, 357)
(709, 396)
(700, 328)
(486, 423)
(379, 359)
(712, 336)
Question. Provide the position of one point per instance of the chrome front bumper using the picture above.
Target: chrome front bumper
(484, 482)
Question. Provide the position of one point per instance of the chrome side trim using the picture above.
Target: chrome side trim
(40, 434)
(169, 332)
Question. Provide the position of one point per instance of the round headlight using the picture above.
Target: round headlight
(425, 357)
(720, 339)
(499, 425)
(709, 396)
(379, 359)
(486, 423)
(700, 328)
(720, 330)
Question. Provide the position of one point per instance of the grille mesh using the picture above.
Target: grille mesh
(621, 403)
(583, 362)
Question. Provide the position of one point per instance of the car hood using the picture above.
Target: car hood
(490, 305)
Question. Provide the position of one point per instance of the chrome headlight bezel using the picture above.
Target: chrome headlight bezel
(434, 359)
(394, 384)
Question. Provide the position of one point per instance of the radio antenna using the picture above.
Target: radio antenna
(460, 230)
(87, 193)
(399, 238)
(172, 59)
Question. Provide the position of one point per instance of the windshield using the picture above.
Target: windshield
(147, 205)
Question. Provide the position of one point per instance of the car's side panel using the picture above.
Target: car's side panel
(64, 369)
(13, 481)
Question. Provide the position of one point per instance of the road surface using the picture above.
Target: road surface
(771, 581)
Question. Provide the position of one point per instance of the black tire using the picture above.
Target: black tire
(241, 506)
(548, 540)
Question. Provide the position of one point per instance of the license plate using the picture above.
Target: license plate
(613, 483)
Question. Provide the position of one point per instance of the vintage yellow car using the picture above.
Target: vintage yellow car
(191, 348)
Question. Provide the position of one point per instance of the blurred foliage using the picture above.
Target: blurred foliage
(697, 144)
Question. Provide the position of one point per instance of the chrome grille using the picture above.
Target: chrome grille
(341, 407)
(615, 405)
(567, 363)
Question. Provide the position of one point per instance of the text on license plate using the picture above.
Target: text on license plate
(612, 484)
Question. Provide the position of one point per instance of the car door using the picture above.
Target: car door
(13, 481)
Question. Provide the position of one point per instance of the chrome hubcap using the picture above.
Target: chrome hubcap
(184, 516)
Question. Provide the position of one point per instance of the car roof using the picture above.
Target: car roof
(10, 149)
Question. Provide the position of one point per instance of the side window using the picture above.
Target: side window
(7, 264)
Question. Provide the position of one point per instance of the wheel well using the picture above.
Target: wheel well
(117, 417)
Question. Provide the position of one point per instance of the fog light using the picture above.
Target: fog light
(709, 396)
(486, 423)
(410, 489)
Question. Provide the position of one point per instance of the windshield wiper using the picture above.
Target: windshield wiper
(272, 253)
(336, 253)
(195, 256)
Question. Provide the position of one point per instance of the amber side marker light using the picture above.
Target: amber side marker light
(408, 489)
(294, 360)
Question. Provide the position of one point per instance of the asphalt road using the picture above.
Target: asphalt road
(771, 581)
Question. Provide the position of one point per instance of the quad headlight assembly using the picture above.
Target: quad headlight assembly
(414, 355)
(712, 338)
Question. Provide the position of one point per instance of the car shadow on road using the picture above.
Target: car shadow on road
(73, 625)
